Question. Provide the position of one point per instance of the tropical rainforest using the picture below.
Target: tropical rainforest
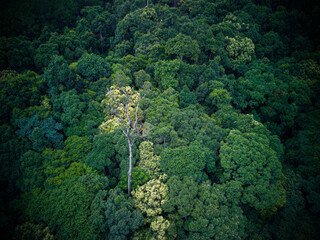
(160, 119)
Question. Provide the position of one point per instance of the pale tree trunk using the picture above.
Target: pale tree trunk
(130, 167)
(131, 132)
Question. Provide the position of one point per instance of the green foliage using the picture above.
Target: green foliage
(77, 148)
(138, 177)
(18, 91)
(273, 98)
(44, 53)
(303, 149)
(66, 208)
(31, 168)
(41, 133)
(240, 50)
(165, 74)
(79, 113)
(68, 107)
(29, 230)
(160, 109)
(183, 46)
(199, 212)
(11, 149)
(270, 45)
(120, 76)
(314, 193)
(140, 78)
(219, 97)
(94, 27)
(248, 158)
(93, 67)
(71, 47)
(140, 20)
(186, 161)
(292, 220)
(29, 18)
(58, 76)
(120, 144)
(101, 153)
(17, 53)
(114, 215)
(232, 98)
(186, 97)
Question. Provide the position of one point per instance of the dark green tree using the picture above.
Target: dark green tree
(184, 47)
(248, 159)
(199, 211)
(92, 67)
(186, 97)
(103, 150)
(114, 215)
(186, 161)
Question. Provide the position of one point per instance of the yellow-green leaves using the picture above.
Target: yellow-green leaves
(118, 116)
(149, 198)
(149, 162)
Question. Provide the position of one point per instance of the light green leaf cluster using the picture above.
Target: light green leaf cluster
(240, 50)
(149, 162)
(149, 198)
(131, 98)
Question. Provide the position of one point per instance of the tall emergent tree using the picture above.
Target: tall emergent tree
(124, 106)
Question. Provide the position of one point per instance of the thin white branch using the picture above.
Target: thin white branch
(126, 110)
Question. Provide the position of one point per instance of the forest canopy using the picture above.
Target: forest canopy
(160, 119)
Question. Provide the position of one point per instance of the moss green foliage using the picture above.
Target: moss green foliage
(227, 132)
(18, 91)
(183, 161)
(58, 76)
(66, 208)
(31, 169)
(29, 230)
(240, 50)
(186, 97)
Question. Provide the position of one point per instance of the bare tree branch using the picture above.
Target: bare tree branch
(131, 132)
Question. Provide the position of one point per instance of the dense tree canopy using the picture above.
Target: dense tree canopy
(207, 111)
